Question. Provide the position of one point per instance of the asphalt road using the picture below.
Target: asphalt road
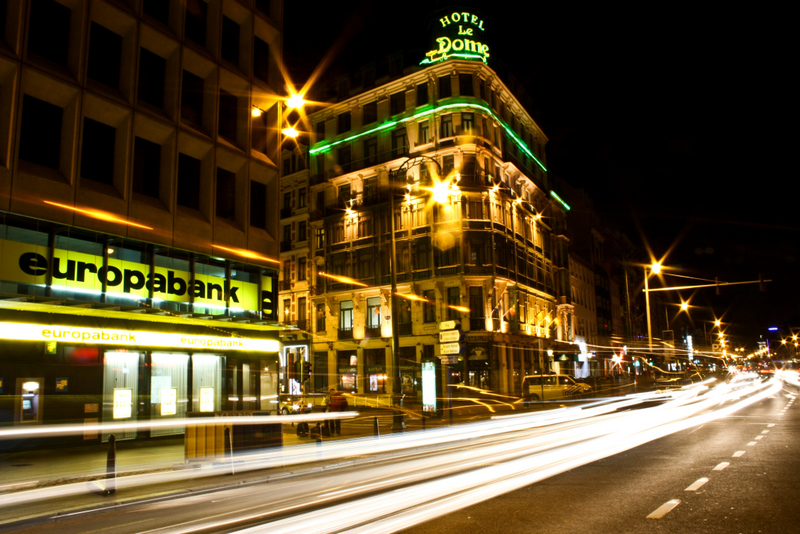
(758, 491)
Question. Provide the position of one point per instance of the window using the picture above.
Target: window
(399, 142)
(343, 123)
(152, 72)
(422, 254)
(344, 158)
(482, 90)
(287, 200)
(370, 112)
(397, 103)
(302, 267)
(287, 233)
(319, 238)
(261, 59)
(337, 236)
(365, 265)
(468, 122)
(371, 151)
(448, 164)
(422, 134)
(475, 208)
(192, 99)
(105, 52)
(258, 205)
(465, 87)
(188, 182)
(476, 303)
(374, 318)
(301, 197)
(97, 152)
(146, 167)
(287, 311)
(422, 94)
(370, 188)
(447, 126)
(445, 87)
(196, 17)
(365, 227)
(346, 315)
(453, 299)
(320, 130)
(301, 310)
(302, 231)
(40, 133)
(226, 194)
(48, 33)
(227, 115)
(344, 193)
(320, 317)
(230, 41)
(158, 9)
(429, 306)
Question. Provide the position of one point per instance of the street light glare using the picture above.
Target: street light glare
(656, 267)
(441, 192)
(684, 306)
(295, 101)
(290, 132)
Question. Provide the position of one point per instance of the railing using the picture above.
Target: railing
(372, 332)
(284, 285)
(302, 324)
(345, 334)
(477, 323)
(378, 401)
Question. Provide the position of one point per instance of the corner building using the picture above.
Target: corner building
(479, 236)
(138, 209)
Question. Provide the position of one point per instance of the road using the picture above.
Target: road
(756, 491)
(391, 483)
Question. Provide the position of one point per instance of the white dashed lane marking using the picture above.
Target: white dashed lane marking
(697, 484)
(664, 509)
(765, 431)
(738, 454)
(721, 466)
(751, 443)
(771, 425)
(759, 437)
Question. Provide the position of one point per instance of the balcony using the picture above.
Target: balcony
(302, 324)
(477, 323)
(372, 332)
(345, 334)
(286, 246)
(284, 285)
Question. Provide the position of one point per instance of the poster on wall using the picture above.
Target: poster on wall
(169, 401)
(428, 387)
(206, 399)
(123, 403)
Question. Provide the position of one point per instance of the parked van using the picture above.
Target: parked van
(552, 387)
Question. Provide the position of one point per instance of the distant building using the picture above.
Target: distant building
(138, 209)
(479, 237)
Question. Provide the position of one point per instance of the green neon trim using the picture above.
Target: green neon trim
(352, 137)
(509, 131)
(555, 196)
(445, 57)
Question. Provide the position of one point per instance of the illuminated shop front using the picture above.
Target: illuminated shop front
(95, 328)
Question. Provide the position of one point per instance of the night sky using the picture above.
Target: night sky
(677, 121)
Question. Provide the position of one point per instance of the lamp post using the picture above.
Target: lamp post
(655, 268)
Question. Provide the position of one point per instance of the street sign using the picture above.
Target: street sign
(449, 348)
(449, 359)
(448, 325)
(450, 335)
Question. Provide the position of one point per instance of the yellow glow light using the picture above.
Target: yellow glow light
(656, 267)
(684, 306)
(411, 296)
(441, 192)
(343, 279)
(96, 214)
(290, 132)
(247, 254)
(459, 308)
(717, 322)
(256, 112)
(295, 101)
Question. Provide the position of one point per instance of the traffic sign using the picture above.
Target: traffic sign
(449, 359)
(449, 335)
(449, 325)
(449, 348)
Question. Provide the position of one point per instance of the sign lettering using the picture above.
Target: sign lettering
(459, 29)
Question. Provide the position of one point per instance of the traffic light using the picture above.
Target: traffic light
(306, 371)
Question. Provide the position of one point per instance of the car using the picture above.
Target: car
(292, 405)
(552, 387)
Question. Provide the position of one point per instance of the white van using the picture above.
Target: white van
(552, 387)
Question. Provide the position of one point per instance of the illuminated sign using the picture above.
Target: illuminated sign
(169, 401)
(77, 271)
(428, 387)
(458, 37)
(123, 401)
(206, 399)
(131, 338)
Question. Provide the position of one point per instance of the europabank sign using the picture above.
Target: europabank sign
(458, 34)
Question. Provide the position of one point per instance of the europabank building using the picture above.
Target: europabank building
(138, 210)
(447, 169)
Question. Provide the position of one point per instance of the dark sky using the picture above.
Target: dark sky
(677, 120)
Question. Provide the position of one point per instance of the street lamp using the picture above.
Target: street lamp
(655, 268)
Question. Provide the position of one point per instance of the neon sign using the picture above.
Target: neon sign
(460, 39)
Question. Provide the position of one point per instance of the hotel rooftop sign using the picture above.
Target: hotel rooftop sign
(458, 35)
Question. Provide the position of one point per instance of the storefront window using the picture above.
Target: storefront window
(120, 390)
(168, 391)
(348, 371)
(269, 384)
(206, 382)
(375, 368)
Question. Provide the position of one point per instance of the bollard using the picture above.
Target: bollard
(111, 466)
(375, 430)
(228, 447)
(423, 423)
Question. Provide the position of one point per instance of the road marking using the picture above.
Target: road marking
(738, 454)
(765, 431)
(721, 466)
(664, 509)
(751, 443)
(759, 437)
(697, 484)
(771, 425)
